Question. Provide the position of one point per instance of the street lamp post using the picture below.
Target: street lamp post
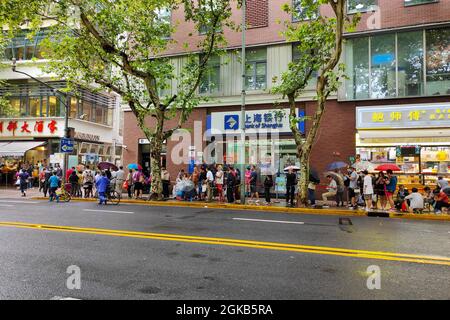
(243, 93)
(66, 114)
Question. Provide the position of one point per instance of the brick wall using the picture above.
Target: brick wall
(257, 12)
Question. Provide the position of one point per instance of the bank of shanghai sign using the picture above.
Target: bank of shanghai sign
(404, 117)
(256, 121)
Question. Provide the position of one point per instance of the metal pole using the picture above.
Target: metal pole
(243, 64)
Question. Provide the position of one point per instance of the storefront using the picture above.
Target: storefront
(269, 142)
(415, 137)
(27, 141)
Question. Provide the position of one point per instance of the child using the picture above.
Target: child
(268, 184)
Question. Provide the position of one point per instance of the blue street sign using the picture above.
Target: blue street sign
(231, 122)
(66, 145)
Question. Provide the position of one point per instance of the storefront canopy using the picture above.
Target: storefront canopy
(17, 148)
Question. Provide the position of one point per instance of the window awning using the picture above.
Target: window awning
(18, 148)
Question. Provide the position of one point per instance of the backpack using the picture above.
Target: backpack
(347, 182)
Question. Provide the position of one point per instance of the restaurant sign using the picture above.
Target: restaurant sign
(31, 128)
(435, 115)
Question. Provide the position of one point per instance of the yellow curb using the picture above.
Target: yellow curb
(226, 206)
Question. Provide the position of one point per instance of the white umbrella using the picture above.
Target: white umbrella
(293, 168)
(363, 165)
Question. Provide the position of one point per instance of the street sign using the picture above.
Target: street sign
(66, 145)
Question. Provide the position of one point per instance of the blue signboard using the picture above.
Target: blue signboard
(231, 122)
(66, 145)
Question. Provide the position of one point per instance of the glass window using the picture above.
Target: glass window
(164, 19)
(357, 62)
(299, 13)
(73, 108)
(414, 2)
(383, 77)
(35, 107)
(438, 61)
(211, 78)
(44, 105)
(99, 114)
(87, 111)
(15, 107)
(360, 5)
(110, 117)
(22, 48)
(256, 71)
(410, 64)
(52, 106)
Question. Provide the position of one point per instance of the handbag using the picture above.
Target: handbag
(125, 185)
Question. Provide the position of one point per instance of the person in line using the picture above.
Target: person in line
(428, 197)
(291, 182)
(120, 179)
(368, 190)
(254, 195)
(442, 183)
(219, 183)
(379, 189)
(165, 179)
(441, 201)
(23, 182)
(69, 173)
(352, 176)
(73, 180)
(46, 185)
(311, 193)
(416, 201)
(391, 186)
(340, 190)
(130, 183)
(401, 195)
(195, 179)
(209, 184)
(231, 182)
(138, 178)
(201, 182)
(248, 174)
(331, 190)
(102, 186)
(88, 183)
(54, 184)
(268, 184)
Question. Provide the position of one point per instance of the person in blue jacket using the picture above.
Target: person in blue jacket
(53, 182)
(102, 185)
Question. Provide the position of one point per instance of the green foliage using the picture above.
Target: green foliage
(120, 45)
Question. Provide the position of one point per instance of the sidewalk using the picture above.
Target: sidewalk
(275, 207)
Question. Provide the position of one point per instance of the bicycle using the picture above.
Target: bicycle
(65, 194)
(113, 196)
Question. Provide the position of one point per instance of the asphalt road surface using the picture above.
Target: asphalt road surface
(143, 252)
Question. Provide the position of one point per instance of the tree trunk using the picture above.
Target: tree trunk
(303, 181)
(155, 159)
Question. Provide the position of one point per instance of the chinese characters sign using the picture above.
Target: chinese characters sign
(403, 117)
(10, 128)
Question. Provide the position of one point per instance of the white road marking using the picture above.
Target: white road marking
(13, 201)
(108, 211)
(63, 298)
(272, 221)
(6, 205)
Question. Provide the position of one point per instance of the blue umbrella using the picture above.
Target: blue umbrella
(134, 166)
(337, 165)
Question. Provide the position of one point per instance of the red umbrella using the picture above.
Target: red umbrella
(388, 166)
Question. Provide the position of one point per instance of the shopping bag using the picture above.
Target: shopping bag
(125, 185)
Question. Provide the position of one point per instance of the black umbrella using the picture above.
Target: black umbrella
(314, 175)
(107, 165)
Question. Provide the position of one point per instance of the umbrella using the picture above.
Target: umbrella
(135, 166)
(80, 167)
(314, 176)
(107, 165)
(337, 177)
(337, 165)
(294, 168)
(388, 166)
(363, 165)
(188, 186)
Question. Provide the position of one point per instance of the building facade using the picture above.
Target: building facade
(32, 130)
(397, 95)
